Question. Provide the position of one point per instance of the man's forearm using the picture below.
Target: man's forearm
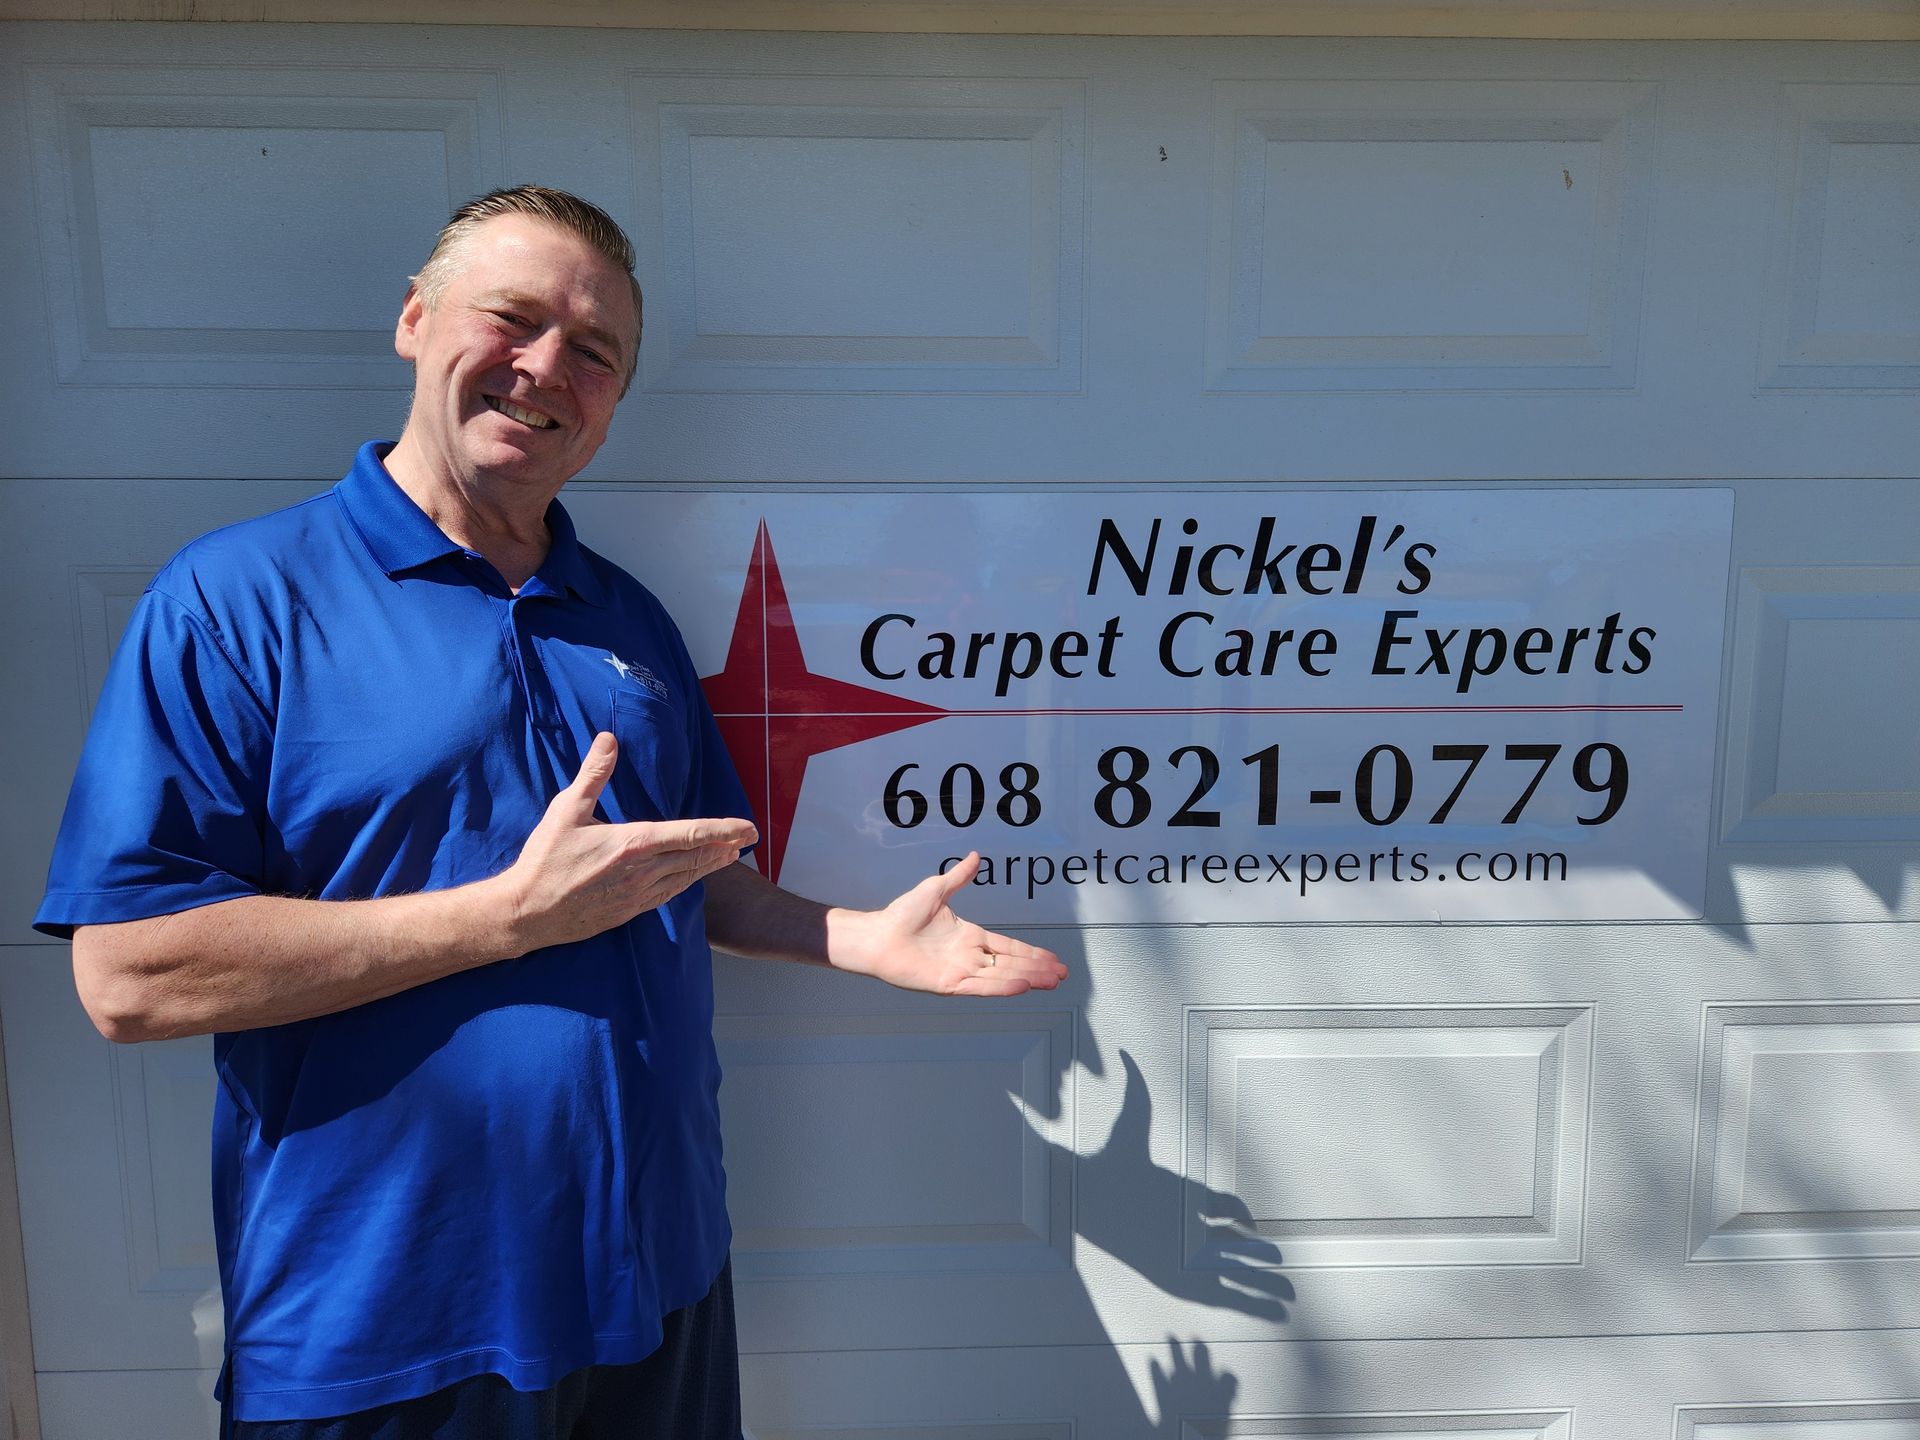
(268, 960)
(749, 915)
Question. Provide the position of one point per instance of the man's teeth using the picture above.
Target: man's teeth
(525, 417)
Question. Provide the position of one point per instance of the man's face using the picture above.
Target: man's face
(518, 366)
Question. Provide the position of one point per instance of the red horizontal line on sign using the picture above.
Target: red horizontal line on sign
(1225, 710)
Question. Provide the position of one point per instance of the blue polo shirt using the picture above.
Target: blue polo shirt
(515, 1169)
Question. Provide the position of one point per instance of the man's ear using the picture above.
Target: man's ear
(406, 331)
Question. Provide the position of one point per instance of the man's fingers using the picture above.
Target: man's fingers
(957, 879)
(1018, 949)
(937, 891)
(665, 876)
(660, 837)
(987, 983)
(1039, 967)
(661, 872)
(1035, 974)
(722, 830)
(698, 863)
(1012, 971)
(595, 770)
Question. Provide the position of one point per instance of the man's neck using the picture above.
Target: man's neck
(511, 535)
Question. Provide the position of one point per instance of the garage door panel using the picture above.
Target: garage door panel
(1415, 1425)
(993, 1430)
(203, 229)
(1805, 1148)
(1809, 1389)
(1537, 287)
(79, 613)
(1694, 130)
(198, 251)
(1646, 991)
(1391, 1177)
(1844, 286)
(1824, 652)
(767, 179)
(819, 1181)
(1860, 1420)
(1314, 1119)
(1597, 1388)
(75, 558)
(170, 1404)
(1819, 802)
(1812, 828)
(1141, 1213)
(112, 1152)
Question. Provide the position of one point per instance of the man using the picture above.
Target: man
(341, 808)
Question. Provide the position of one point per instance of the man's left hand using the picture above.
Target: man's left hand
(918, 943)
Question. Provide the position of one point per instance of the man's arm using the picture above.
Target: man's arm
(268, 960)
(916, 943)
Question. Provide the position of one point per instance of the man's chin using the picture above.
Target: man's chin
(519, 465)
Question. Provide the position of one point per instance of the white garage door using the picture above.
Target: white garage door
(893, 262)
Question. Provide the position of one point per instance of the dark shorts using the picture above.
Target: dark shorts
(688, 1389)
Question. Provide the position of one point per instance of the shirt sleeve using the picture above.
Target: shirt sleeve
(167, 810)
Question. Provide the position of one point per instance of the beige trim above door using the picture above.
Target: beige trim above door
(1522, 19)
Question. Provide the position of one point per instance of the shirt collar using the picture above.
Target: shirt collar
(401, 537)
(566, 567)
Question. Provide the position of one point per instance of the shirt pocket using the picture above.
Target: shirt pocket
(650, 779)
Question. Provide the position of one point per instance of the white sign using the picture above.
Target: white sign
(1219, 707)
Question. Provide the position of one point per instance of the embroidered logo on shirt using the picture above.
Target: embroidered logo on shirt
(638, 672)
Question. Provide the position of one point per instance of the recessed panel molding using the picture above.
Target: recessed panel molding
(1363, 1136)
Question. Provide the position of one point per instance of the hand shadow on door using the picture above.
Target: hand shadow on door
(1243, 1273)
(1196, 1244)
(1244, 1277)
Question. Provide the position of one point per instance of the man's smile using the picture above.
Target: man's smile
(515, 412)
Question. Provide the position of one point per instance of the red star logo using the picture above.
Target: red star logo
(775, 714)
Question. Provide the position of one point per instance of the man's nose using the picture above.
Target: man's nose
(543, 358)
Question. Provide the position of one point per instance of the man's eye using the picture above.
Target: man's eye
(595, 356)
(519, 322)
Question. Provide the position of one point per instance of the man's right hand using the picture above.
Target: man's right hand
(577, 875)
